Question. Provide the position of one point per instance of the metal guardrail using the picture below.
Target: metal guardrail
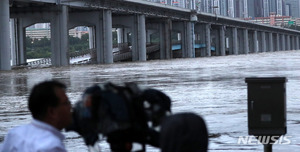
(46, 61)
(127, 55)
(124, 54)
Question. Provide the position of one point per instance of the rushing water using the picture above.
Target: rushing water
(213, 87)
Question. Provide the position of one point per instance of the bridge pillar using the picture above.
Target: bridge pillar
(271, 48)
(59, 38)
(165, 39)
(104, 36)
(125, 33)
(208, 39)
(241, 41)
(149, 33)
(297, 42)
(189, 40)
(20, 37)
(255, 42)
(246, 41)
(234, 41)
(283, 45)
(288, 42)
(91, 37)
(222, 41)
(200, 30)
(107, 39)
(4, 36)
(277, 42)
(263, 42)
(215, 37)
(120, 35)
(13, 42)
(139, 38)
(292, 42)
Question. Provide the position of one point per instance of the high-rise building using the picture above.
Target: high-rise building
(279, 7)
(231, 10)
(293, 6)
(216, 7)
(288, 9)
(224, 7)
(266, 8)
(255, 8)
(241, 8)
(272, 6)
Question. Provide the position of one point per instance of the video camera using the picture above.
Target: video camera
(124, 114)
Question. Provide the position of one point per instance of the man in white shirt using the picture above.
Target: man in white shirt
(51, 112)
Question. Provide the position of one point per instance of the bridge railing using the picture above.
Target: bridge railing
(81, 53)
(46, 61)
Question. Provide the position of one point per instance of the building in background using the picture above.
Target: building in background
(266, 8)
(231, 10)
(224, 7)
(279, 7)
(292, 8)
(41, 30)
(282, 21)
(241, 8)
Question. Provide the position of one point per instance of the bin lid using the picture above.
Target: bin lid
(266, 80)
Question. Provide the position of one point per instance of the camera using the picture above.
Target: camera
(123, 114)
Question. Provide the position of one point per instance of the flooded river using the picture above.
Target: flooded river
(213, 87)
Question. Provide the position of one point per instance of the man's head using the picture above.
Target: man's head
(48, 102)
(184, 132)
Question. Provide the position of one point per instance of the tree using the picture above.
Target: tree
(41, 48)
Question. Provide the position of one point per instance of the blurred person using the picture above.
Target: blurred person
(184, 132)
(51, 112)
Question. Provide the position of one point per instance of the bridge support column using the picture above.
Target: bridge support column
(288, 41)
(107, 39)
(215, 34)
(297, 42)
(283, 45)
(208, 39)
(233, 41)
(246, 41)
(125, 33)
(13, 42)
(4, 36)
(20, 37)
(277, 42)
(271, 48)
(189, 47)
(292, 42)
(200, 30)
(263, 42)
(255, 42)
(91, 37)
(59, 38)
(222, 41)
(139, 38)
(104, 37)
(120, 35)
(165, 39)
(149, 33)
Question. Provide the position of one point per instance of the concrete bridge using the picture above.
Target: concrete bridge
(139, 19)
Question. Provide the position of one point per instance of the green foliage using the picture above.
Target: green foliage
(155, 37)
(76, 44)
(36, 48)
